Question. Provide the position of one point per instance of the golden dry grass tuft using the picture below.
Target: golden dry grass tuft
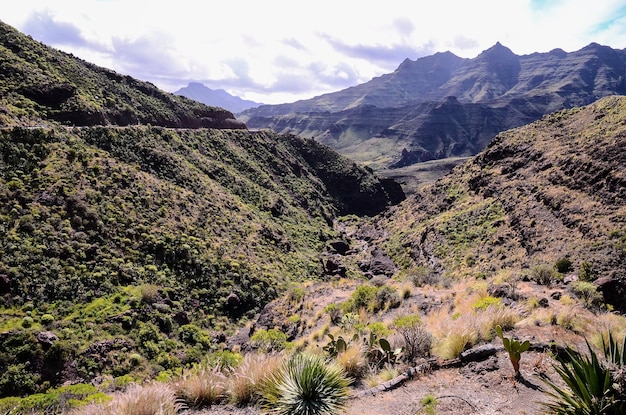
(246, 380)
(201, 386)
(353, 361)
(463, 325)
(150, 399)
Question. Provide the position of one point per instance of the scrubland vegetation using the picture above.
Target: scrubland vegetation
(152, 270)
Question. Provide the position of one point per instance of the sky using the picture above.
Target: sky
(279, 51)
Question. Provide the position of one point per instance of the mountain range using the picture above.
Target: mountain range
(443, 106)
(215, 97)
(144, 235)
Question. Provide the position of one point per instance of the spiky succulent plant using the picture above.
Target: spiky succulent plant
(306, 384)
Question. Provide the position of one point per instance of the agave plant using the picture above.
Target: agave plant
(590, 384)
(306, 385)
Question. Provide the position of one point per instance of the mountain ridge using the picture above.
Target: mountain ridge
(215, 97)
(38, 79)
(521, 88)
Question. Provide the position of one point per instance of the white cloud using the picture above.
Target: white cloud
(281, 50)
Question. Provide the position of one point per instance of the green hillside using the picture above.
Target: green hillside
(550, 192)
(40, 83)
(130, 250)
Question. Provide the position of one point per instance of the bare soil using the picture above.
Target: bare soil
(477, 387)
(486, 387)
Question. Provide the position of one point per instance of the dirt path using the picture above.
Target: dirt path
(481, 388)
(478, 388)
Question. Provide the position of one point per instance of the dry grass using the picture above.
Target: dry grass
(246, 380)
(462, 326)
(385, 374)
(151, 399)
(201, 386)
(353, 361)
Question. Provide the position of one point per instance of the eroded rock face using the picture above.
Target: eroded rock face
(444, 106)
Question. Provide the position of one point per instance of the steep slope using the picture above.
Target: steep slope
(548, 191)
(120, 229)
(215, 97)
(129, 250)
(39, 82)
(399, 114)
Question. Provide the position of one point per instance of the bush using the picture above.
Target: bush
(587, 292)
(47, 319)
(149, 293)
(386, 297)
(271, 340)
(417, 340)
(362, 297)
(334, 312)
(486, 302)
(306, 385)
(585, 273)
(17, 381)
(563, 265)
(193, 335)
(545, 275)
(424, 276)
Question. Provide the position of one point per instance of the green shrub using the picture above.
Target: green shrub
(18, 381)
(587, 292)
(224, 359)
(306, 385)
(362, 297)
(545, 275)
(27, 322)
(149, 293)
(193, 335)
(334, 312)
(485, 302)
(386, 297)
(271, 340)
(135, 359)
(47, 319)
(586, 273)
(563, 265)
(295, 295)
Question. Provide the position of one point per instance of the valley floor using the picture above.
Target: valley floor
(482, 387)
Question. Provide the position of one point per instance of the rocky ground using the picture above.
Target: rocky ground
(480, 386)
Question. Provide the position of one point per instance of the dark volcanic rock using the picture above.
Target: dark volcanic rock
(46, 338)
